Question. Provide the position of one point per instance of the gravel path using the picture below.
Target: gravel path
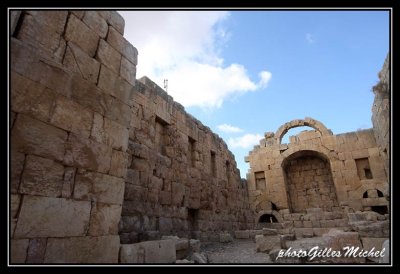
(237, 252)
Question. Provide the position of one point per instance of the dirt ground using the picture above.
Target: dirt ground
(237, 252)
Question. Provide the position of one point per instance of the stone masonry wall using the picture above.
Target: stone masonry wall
(381, 113)
(72, 77)
(356, 167)
(89, 142)
(181, 179)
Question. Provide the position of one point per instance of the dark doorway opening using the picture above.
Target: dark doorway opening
(193, 222)
(380, 209)
(268, 218)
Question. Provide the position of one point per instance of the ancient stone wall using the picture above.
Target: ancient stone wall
(317, 169)
(72, 76)
(381, 113)
(181, 179)
(81, 126)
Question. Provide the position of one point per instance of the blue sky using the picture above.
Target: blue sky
(243, 73)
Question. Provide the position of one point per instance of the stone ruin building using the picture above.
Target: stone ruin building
(107, 168)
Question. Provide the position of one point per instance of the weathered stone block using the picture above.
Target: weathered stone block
(267, 243)
(68, 183)
(17, 160)
(104, 219)
(14, 204)
(117, 41)
(78, 61)
(117, 21)
(44, 30)
(135, 193)
(36, 250)
(116, 86)
(42, 177)
(52, 217)
(165, 197)
(118, 112)
(225, 237)
(128, 71)
(149, 252)
(374, 244)
(89, 95)
(337, 240)
(31, 136)
(242, 234)
(71, 116)
(18, 251)
(14, 17)
(386, 257)
(31, 98)
(269, 231)
(85, 153)
(97, 23)
(108, 56)
(93, 186)
(81, 35)
(103, 249)
(119, 164)
(165, 224)
(109, 132)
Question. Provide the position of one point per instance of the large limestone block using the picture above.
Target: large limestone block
(44, 30)
(93, 186)
(117, 21)
(26, 61)
(31, 98)
(32, 136)
(375, 244)
(116, 86)
(78, 61)
(110, 133)
(97, 23)
(14, 17)
(104, 219)
(119, 163)
(81, 35)
(339, 240)
(52, 217)
(128, 71)
(71, 116)
(162, 251)
(36, 250)
(386, 257)
(225, 237)
(86, 153)
(117, 41)
(108, 56)
(103, 249)
(18, 251)
(267, 243)
(89, 95)
(42, 177)
(16, 166)
(242, 234)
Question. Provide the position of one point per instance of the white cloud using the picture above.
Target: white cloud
(229, 129)
(245, 141)
(265, 77)
(310, 38)
(184, 47)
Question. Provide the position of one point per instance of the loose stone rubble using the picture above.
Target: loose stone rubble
(107, 168)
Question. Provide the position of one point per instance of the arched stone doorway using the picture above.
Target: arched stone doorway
(309, 181)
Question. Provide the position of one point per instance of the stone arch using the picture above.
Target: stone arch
(275, 213)
(309, 180)
(325, 153)
(309, 122)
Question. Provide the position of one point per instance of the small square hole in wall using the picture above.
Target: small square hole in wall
(363, 169)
